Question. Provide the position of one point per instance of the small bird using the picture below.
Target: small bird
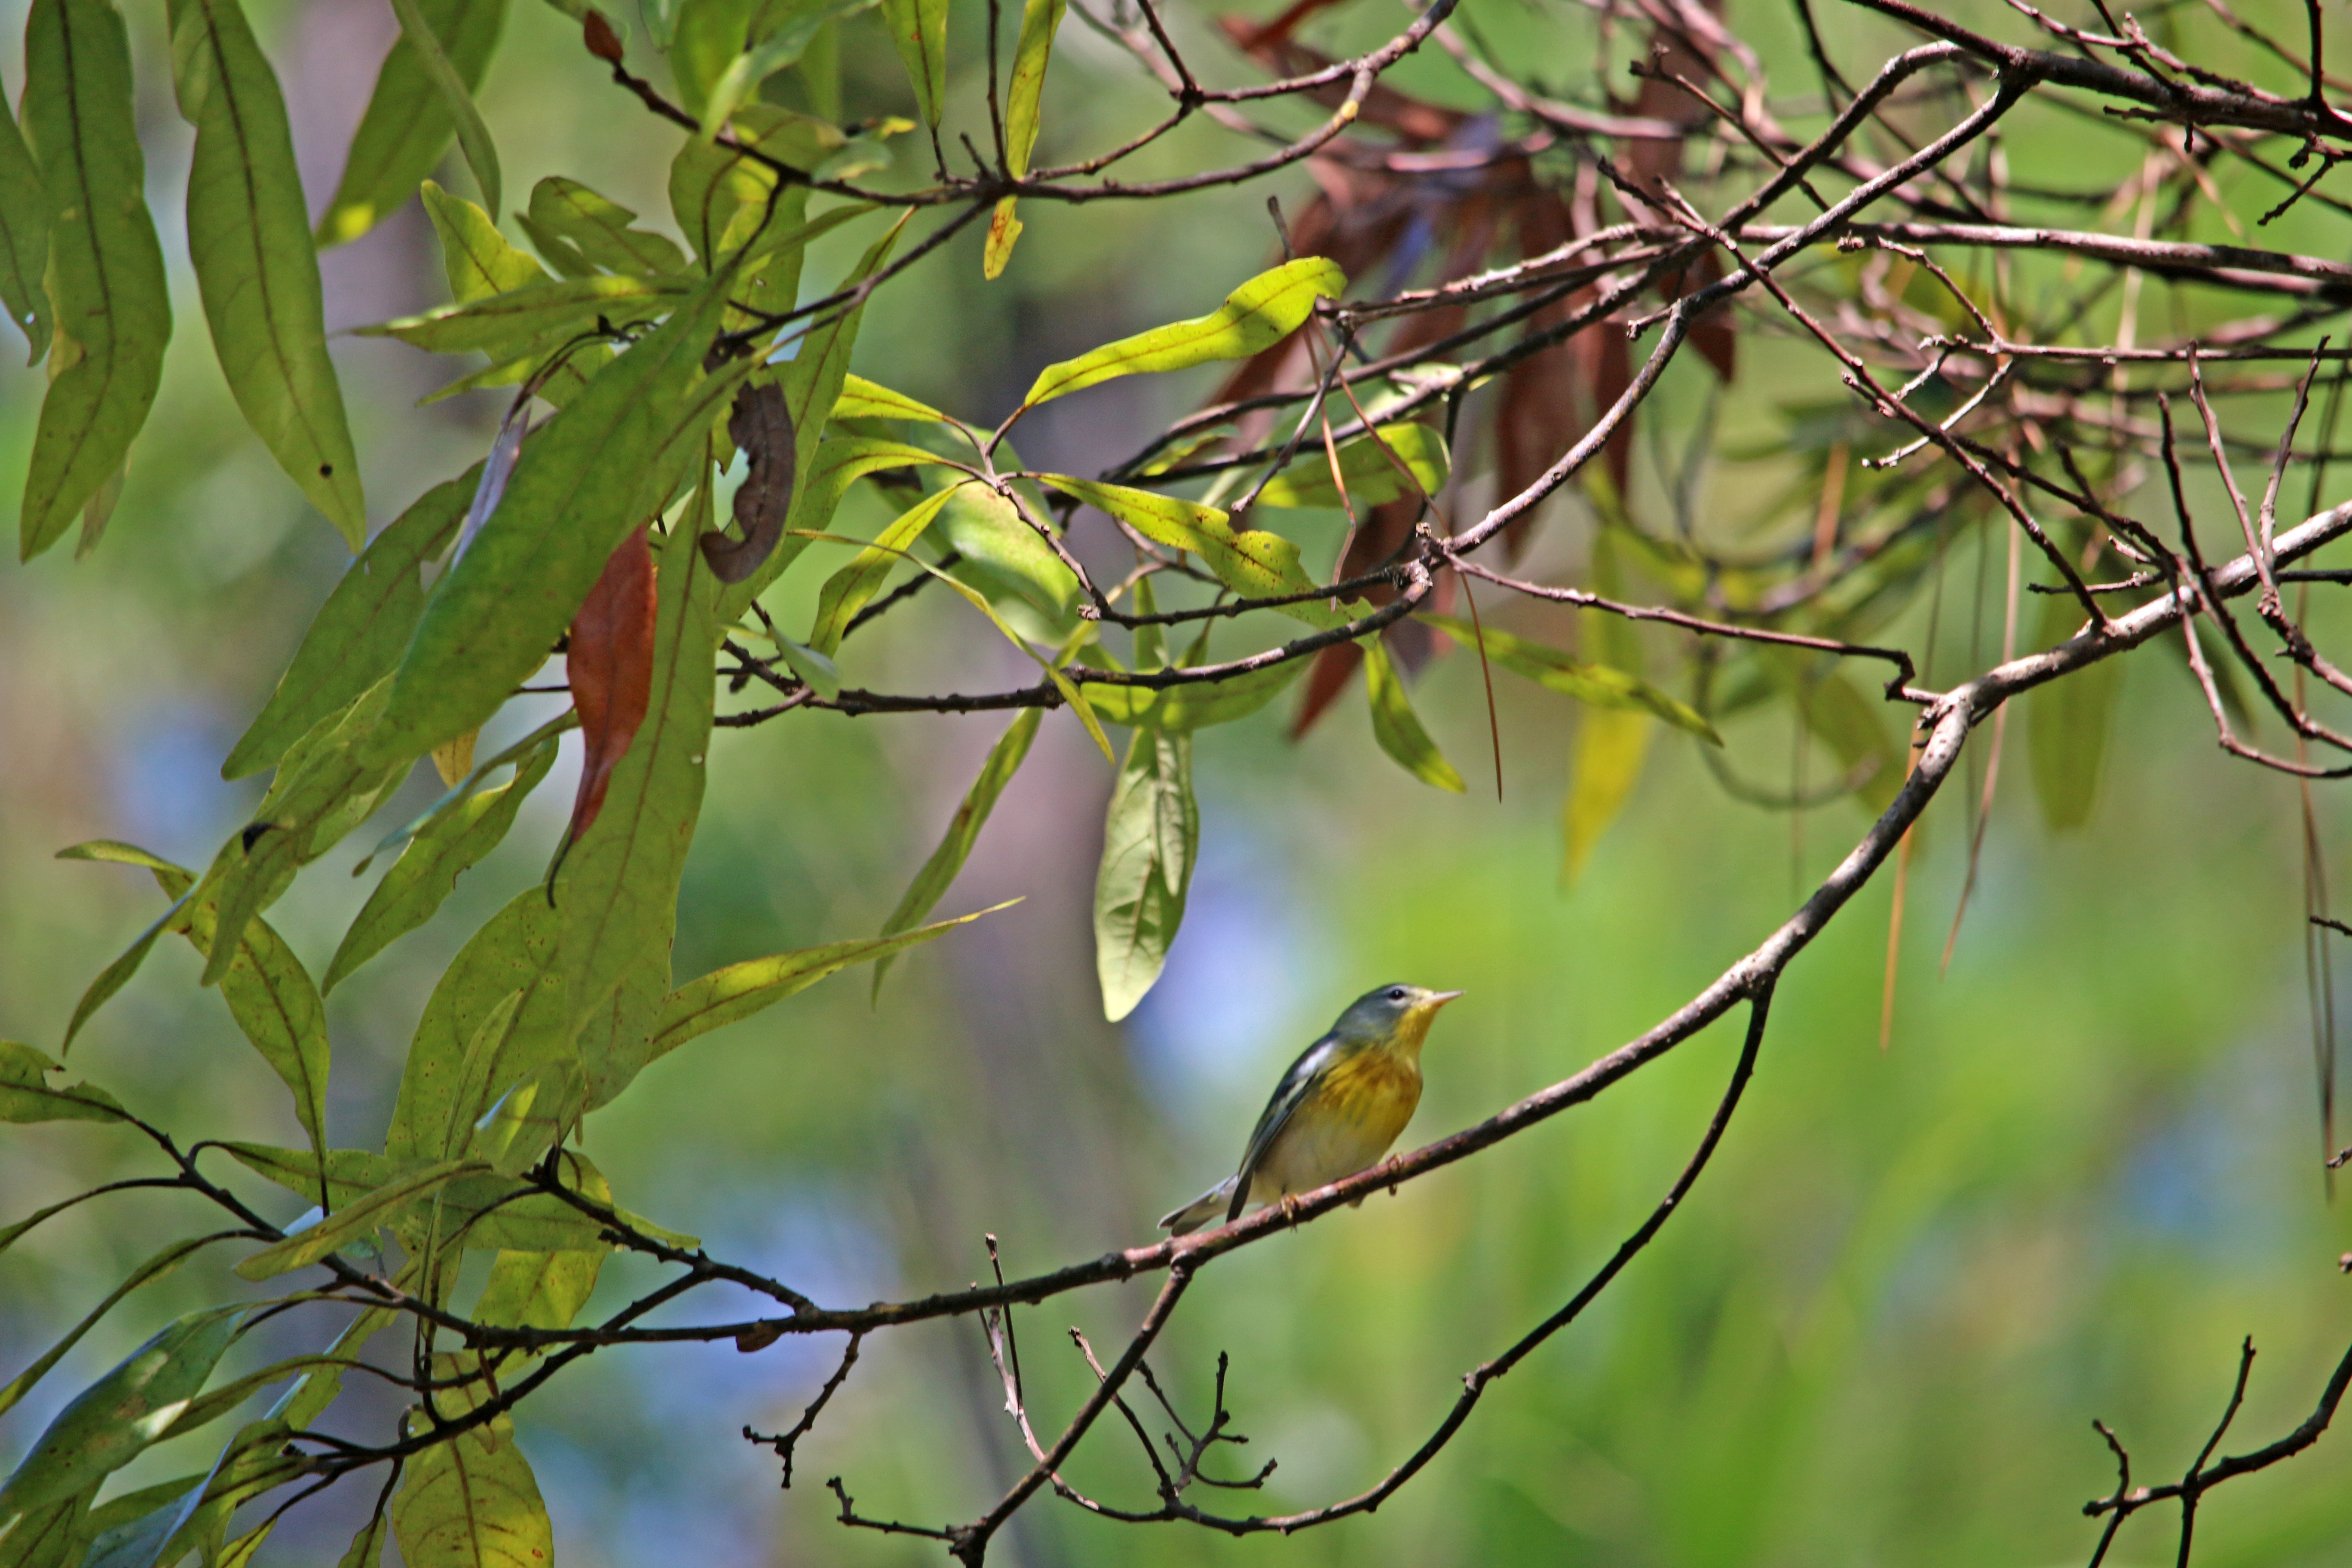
(1338, 1108)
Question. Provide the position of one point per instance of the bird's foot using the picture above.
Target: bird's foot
(1290, 1209)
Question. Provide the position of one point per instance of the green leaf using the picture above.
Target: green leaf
(359, 631)
(538, 1289)
(812, 384)
(428, 869)
(1040, 20)
(249, 237)
(49, 1536)
(730, 995)
(1251, 562)
(849, 590)
(24, 236)
(153, 1268)
(515, 951)
(796, 26)
(473, 136)
(1254, 318)
(352, 1222)
(2066, 725)
(720, 194)
(27, 1095)
(1151, 839)
(1180, 710)
(117, 975)
(366, 1549)
(255, 1461)
(617, 893)
(408, 125)
(470, 1501)
(1397, 728)
(1372, 477)
(352, 1173)
(932, 882)
(600, 229)
(113, 1419)
(477, 258)
(591, 473)
(1596, 684)
(1002, 556)
(106, 277)
(536, 313)
(920, 29)
(276, 1004)
(1838, 714)
(863, 399)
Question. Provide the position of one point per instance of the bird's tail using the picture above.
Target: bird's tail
(1209, 1208)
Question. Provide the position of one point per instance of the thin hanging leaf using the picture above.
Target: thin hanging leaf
(610, 668)
(761, 426)
(1040, 20)
(1368, 471)
(1254, 318)
(1597, 684)
(24, 236)
(1152, 837)
(920, 29)
(1397, 728)
(473, 135)
(1605, 764)
(849, 590)
(408, 124)
(106, 269)
(931, 883)
(727, 996)
(249, 238)
(2067, 723)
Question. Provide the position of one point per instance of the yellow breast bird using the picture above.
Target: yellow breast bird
(1336, 1109)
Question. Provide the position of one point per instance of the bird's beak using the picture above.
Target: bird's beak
(1440, 998)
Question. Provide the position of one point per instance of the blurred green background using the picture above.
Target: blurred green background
(1879, 1332)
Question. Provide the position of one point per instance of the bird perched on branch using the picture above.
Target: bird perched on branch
(1336, 1109)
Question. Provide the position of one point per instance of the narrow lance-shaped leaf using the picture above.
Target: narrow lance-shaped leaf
(473, 135)
(155, 1267)
(535, 314)
(1397, 728)
(408, 124)
(735, 992)
(1254, 561)
(249, 237)
(1606, 761)
(1150, 838)
(1254, 318)
(800, 24)
(863, 399)
(113, 1419)
(931, 883)
(428, 868)
(351, 1222)
(610, 667)
(1370, 470)
(1040, 20)
(920, 29)
(1180, 710)
(1597, 684)
(24, 236)
(106, 268)
(2066, 726)
(849, 590)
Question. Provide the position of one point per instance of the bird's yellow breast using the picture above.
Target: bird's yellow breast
(1347, 1121)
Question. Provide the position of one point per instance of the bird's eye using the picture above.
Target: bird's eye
(1396, 993)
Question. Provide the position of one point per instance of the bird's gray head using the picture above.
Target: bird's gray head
(1400, 1014)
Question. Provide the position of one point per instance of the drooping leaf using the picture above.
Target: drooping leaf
(1151, 839)
(428, 868)
(1254, 317)
(536, 313)
(999, 553)
(729, 994)
(618, 889)
(515, 951)
(932, 882)
(1040, 20)
(610, 668)
(257, 1459)
(352, 1222)
(849, 590)
(408, 124)
(456, 97)
(601, 229)
(359, 633)
(863, 399)
(27, 1095)
(1371, 475)
(470, 1501)
(920, 29)
(1181, 710)
(118, 973)
(594, 472)
(105, 275)
(24, 236)
(109, 1423)
(761, 426)
(1597, 684)
(1606, 763)
(1397, 728)
(155, 1267)
(249, 237)
(2066, 725)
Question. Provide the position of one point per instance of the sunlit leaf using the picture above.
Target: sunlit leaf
(601, 229)
(24, 236)
(849, 590)
(729, 994)
(408, 124)
(109, 1423)
(1597, 684)
(794, 27)
(470, 1501)
(1254, 317)
(863, 399)
(105, 274)
(1370, 476)
(1397, 728)
(1250, 561)
(1180, 710)
(351, 1223)
(538, 1289)
(931, 883)
(249, 237)
(1152, 837)
(477, 260)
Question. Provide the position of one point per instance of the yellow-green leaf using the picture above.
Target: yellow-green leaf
(249, 237)
(473, 135)
(470, 1501)
(1604, 765)
(920, 29)
(932, 881)
(863, 399)
(601, 230)
(27, 1094)
(1040, 20)
(849, 590)
(1250, 560)
(1398, 728)
(477, 258)
(1254, 317)
(1597, 684)
(2066, 725)
(536, 313)
(111, 1421)
(408, 124)
(1003, 231)
(1177, 710)
(1152, 837)
(1372, 477)
(106, 268)
(351, 1222)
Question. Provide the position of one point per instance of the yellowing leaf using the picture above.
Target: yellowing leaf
(1397, 728)
(1371, 475)
(863, 399)
(1250, 561)
(1254, 317)
(847, 591)
(1607, 761)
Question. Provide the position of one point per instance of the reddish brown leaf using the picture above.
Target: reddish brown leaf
(611, 668)
(1382, 532)
(762, 426)
(1383, 106)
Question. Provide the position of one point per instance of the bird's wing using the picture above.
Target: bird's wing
(1288, 1095)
